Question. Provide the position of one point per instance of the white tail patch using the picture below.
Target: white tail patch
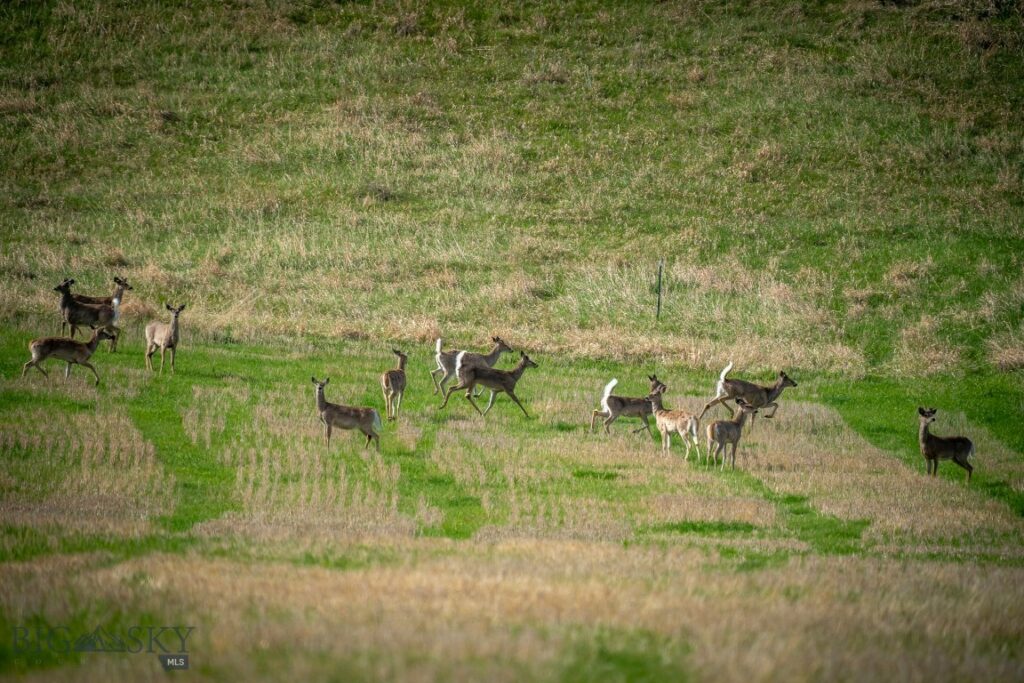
(720, 389)
(458, 362)
(607, 392)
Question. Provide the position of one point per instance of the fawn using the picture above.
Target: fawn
(165, 336)
(686, 425)
(724, 432)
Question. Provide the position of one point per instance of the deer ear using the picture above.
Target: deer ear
(168, 307)
(181, 308)
(314, 379)
(920, 411)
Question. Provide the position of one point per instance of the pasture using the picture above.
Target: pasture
(836, 189)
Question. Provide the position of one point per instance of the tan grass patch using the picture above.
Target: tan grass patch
(1006, 350)
(923, 350)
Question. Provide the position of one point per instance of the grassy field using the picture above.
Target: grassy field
(836, 189)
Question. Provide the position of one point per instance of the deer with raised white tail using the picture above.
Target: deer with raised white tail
(613, 407)
(724, 432)
(758, 396)
(448, 360)
(683, 423)
(392, 383)
(935, 448)
(366, 420)
(498, 381)
(163, 336)
(90, 315)
(68, 350)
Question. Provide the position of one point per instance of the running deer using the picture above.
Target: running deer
(68, 350)
(448, 360)
(686, 425)
(366, 420)
(936, 448)
(758, 396)
(90, 315)
(497, 381)
(165, 336)
(613, 407)
(392, 383)
(724, 432)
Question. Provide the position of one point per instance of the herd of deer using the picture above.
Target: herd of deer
(472, 372)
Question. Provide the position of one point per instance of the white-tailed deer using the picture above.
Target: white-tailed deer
(90, 315)
(758, 396)
(498, 381)
(447, 361)
(163, 336)
(936, 448)
(68, 350)
(366, 420)
(686, 425)
(723, 432)
(613, 407)
(392, 383)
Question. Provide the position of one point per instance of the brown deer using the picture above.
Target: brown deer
(392, 383)
(613, 407)
(165, 336)
(723, 432)
(89, 315)
(120, 286)
(68, 350)
(936, 448)
(686, 425)
(366, 420)
(497, 381)
(760, 397)
(448, 360)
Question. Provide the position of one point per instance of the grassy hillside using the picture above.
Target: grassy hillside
(835, 188)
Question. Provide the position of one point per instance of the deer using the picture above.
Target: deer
(760, 397)
(683, 423)
(366, 420)
(392, 383)
(724, 432)
(935, 448)
(68, 350)
(613, 407)
(165, 336)
(90, 315)
(120, 287)
(498, 381)
(448, 360)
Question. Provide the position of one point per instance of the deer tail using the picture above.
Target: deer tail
(720, 388)
(607, 392)
(458, 362)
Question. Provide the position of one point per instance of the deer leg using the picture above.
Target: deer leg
(67, 371)
(469, 397)
(327, 434)
(714, 402)
(612, 417)
(448, 394)
(516, 400)
(174, 354)
(397, 406)
(593, 418)
(967, 466)
(433, 378)
(36, 365)
(117, 335)
(444, 379)
(89, 365)
(774, 406)
(490, 403)
(162, 350)
(734, 447)
(647, 426)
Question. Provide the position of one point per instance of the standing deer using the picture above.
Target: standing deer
(120, 287)
(497, 381)
(392, 383)
(936, 448)
(165, 336)
(447, 361)
(90, 315)
(760, 397)
(366, 420)
(686, 425)
(614, 407)
(68, 350)
(723, 432)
